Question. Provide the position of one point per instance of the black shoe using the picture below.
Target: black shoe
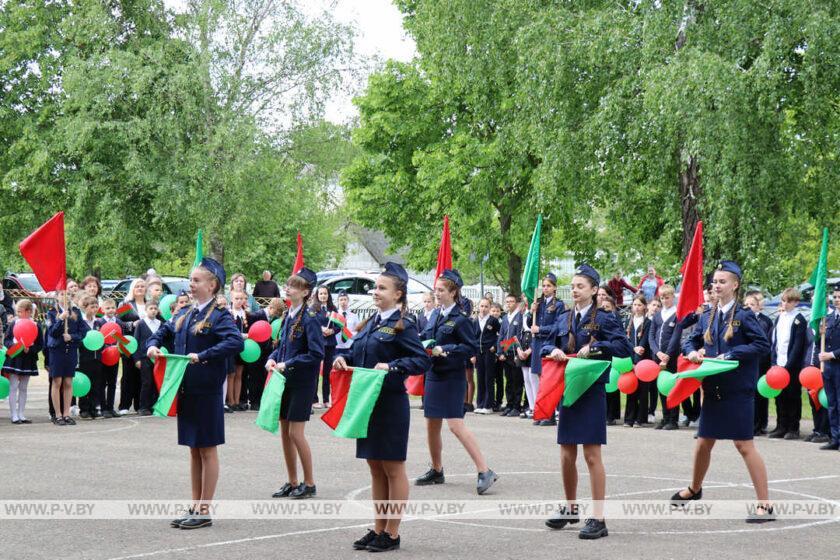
(765, 516)
(671, 426)
(59, 421)
(777, 434)
(109, 414)
(15, 421)
(362, 543)
(430, 477)
(25, 421)
(548, 422)
(85, 415)
(819, 438)
(792, 435)
(383, 543)
(496, 408)
(594, 529)
(176, 523)
(537, 422)
(610, 422)
(678, 501)
(469, 407)
(485, 481)
(69, 421)
(659, 426)
(760, 432)
(685, 423)
(565, 516)
(196, 522)
(302, 492)
(228, 409)
(144, 412)
(284, 491)
(830, 446)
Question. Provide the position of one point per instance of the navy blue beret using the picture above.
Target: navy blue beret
(308, 275)
(395, 270)
(215, 268)
(552, 277)
(730, 266)
(584, 269)
(342, 293)
(454, 276)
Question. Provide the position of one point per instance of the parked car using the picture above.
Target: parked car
(360, 285)
(171, 285)
(24, 284)
(771, 306)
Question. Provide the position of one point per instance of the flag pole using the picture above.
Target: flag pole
(66, 310)
(823, 327)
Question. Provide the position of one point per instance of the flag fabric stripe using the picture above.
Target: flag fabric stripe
(818, 280)
(691, 293)
(512, 342)
(550, 390)
(350, 415)
(45, 252)
(299, 255)
(269, 416)
(579, 376)
(444, 259)
(531, 273)
(199, 248)
(169, 372)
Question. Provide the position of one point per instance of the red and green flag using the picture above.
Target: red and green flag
(690, 377)
(580, 375)
(567, 380)
(350, 415)
(507, 344)
(269, 416)
(339, 320)
(124, 309)
(15, 349)
(100, 313)
(168, 374)
(550, 390)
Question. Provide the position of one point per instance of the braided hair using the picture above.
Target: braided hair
(571, 345)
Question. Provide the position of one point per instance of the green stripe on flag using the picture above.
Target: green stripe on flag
(818, 280)
(365, 386)
(531, 274)
(269, 416)
(176, 365)
(710, 366)
(580, 375)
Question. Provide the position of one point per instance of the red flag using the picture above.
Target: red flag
(299, 257)
(444, 260)
(815, 398)
(46, 254)
(685, 387)
(158, 372)
(340, 383)
(415, 385)
(552, 384)
(691, 294)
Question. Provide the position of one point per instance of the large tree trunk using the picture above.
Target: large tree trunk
(514, 261)
(689, 202)
(217, 248)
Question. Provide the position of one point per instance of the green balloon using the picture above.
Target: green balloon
(93, 341)
(766, 390)
(81, 384)
(665, 382)
(4, 388)
(823, 397)
(251, 352)
(612, 386)
(131, 344)
(276, 325)
(165, 304)
(622, 365)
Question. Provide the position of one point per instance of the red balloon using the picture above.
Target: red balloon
(111, 356)
(26, 331)
(628, 382)
(811, 378)
(260, 331)
(647, 370)
(777, 377)
(108, 330)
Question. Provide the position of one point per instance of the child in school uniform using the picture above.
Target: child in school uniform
(63, 348)
(788, 344)
(239, 310)
(130, 380)
(90, 362)
(487, 331)
(636, 409)
(23, 366)
(144, 331)
(531, 381)
(826, 355)
(322, 305)
(108, 388)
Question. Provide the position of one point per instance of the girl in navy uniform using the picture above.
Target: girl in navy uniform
(298, 357)
(21, 367)
(445, 386)
(636, 410)
(130, 380)
(323, 306)
(590, 333)
(63, 350)
(388, 341)
(543, 318)
(755, 301)
(487, 332)
(208, 335)
(730, 332)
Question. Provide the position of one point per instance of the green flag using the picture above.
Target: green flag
(349, 416)
(818, 280)
(176, 365)
(580, 375)
(269, 416)
(709, 367)
(199, 248)
(623, 365)
(531, 274)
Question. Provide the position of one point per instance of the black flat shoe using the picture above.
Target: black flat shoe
(830, 446)
(176, 523)
(363, 543)
(28, 421)
(565, 516)
(69, 421)
(765, 516)
(15, 421)
(196, 522)
(383, 543)
(284, 491)
(594, 529)
(671, 426)
(59, 421)
(303, 492)
(549, 422)
(678, 501)
(430, 477)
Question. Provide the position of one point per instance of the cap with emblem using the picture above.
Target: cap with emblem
(395, 270)
(215, 268)
(308, 275)
(730, 266)
(454, 276)
(551, 277)
(342, 293)
(584, 269)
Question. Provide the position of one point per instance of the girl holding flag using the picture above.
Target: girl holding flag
(388, 341)
(63, 355)
(590, 333)
(298, 358)
(728, 331)
(206, 334)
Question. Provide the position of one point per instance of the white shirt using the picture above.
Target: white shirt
(583, 311)
(667, 312)
(482, 321)
(445, 312)
(512, 316)
(383, 315)
(352, 321)
(198, 306)
(294, 311)
(782, 336)
(725, 308)
(153, 324)
(637, 321)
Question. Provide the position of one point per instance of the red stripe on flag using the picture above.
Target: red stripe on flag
(45, 252)
(416, 385)
(158, 373)
(340, 384)
(552, 384)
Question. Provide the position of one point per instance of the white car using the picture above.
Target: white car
(359, 286)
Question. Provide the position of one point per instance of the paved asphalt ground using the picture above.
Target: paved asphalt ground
(137, 458)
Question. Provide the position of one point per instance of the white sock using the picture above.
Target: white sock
(14, 381)
(23, 391)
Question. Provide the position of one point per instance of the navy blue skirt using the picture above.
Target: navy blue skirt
(444, 395)
(63, 361)
(296, 404)
(388, 429)
(585, 422)
(728, 418)
(201, 420)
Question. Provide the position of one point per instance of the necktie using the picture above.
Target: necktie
(344, 314)
(577, 320)
(376, 322)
